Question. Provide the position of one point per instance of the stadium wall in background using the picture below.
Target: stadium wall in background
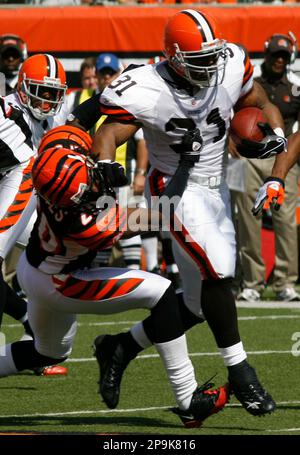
(135, 33)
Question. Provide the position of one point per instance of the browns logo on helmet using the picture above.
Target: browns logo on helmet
(67, 136)
(42, 85)
(195, 49)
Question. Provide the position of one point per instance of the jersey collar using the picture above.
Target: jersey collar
(173, 79)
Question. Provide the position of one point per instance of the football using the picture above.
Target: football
(244, 125)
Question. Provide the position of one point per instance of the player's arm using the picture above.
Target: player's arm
(274, 141)
(272, 191)
(110, 135)
(86, 114)
(114, 222)
(285, 162)
(140, 220)
(141, 167)
(257, 97)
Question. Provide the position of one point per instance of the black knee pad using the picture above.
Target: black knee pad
(218, 305)
(222, 283)
(166, 319)
(188, 318)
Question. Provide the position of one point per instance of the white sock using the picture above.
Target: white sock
(233, 354)
(139, 335)
(179, 369)
(150, 250)
(7, 365)
(172, 268)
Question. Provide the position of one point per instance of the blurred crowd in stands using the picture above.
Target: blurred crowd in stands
(132, 2)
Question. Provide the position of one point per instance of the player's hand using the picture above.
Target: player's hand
(272, 144)
(271, 193)
(189, 147)
(113, 172)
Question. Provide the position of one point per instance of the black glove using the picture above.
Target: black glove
(272, 144)
(113, 173)
(189, 148)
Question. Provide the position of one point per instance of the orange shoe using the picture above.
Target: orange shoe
(53, 370)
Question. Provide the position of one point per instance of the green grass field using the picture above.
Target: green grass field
(71, 404)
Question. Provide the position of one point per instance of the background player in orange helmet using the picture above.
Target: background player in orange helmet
(25, 116)
(42, 85)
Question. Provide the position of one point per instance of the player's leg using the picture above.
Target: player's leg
(16, 206)
(107, 291)
(285, 228)
(54, 330)
(150, 247)
(249, 233)
(121, 290)
(211, 247)
(132, 250)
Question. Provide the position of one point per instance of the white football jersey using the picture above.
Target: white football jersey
(167, 110)
(20, 132)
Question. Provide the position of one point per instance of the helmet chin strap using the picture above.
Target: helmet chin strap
(39, 114)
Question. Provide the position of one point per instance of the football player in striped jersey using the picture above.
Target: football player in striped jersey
(77, 215)
(201, 81)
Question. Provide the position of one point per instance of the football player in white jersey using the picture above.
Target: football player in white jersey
(191, 95)
(25, 115)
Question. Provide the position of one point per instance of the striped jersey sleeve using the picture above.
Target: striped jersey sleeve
(248, 73)
(96, 233)
(16, 144)
(118, 113)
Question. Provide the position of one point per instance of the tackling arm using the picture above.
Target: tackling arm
(139, 179)
(272, 191)
(274, 141)
(285, 161)
(109, 136)
(257, 97)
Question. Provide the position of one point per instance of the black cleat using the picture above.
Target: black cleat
(248, 390)
(205, 402)
(112, 361)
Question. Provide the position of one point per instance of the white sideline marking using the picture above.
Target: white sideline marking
(284, 429)
(91, 324)
(278, 316)
(268, 304)
(240, 318)
(191, 354)
(118, 411)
